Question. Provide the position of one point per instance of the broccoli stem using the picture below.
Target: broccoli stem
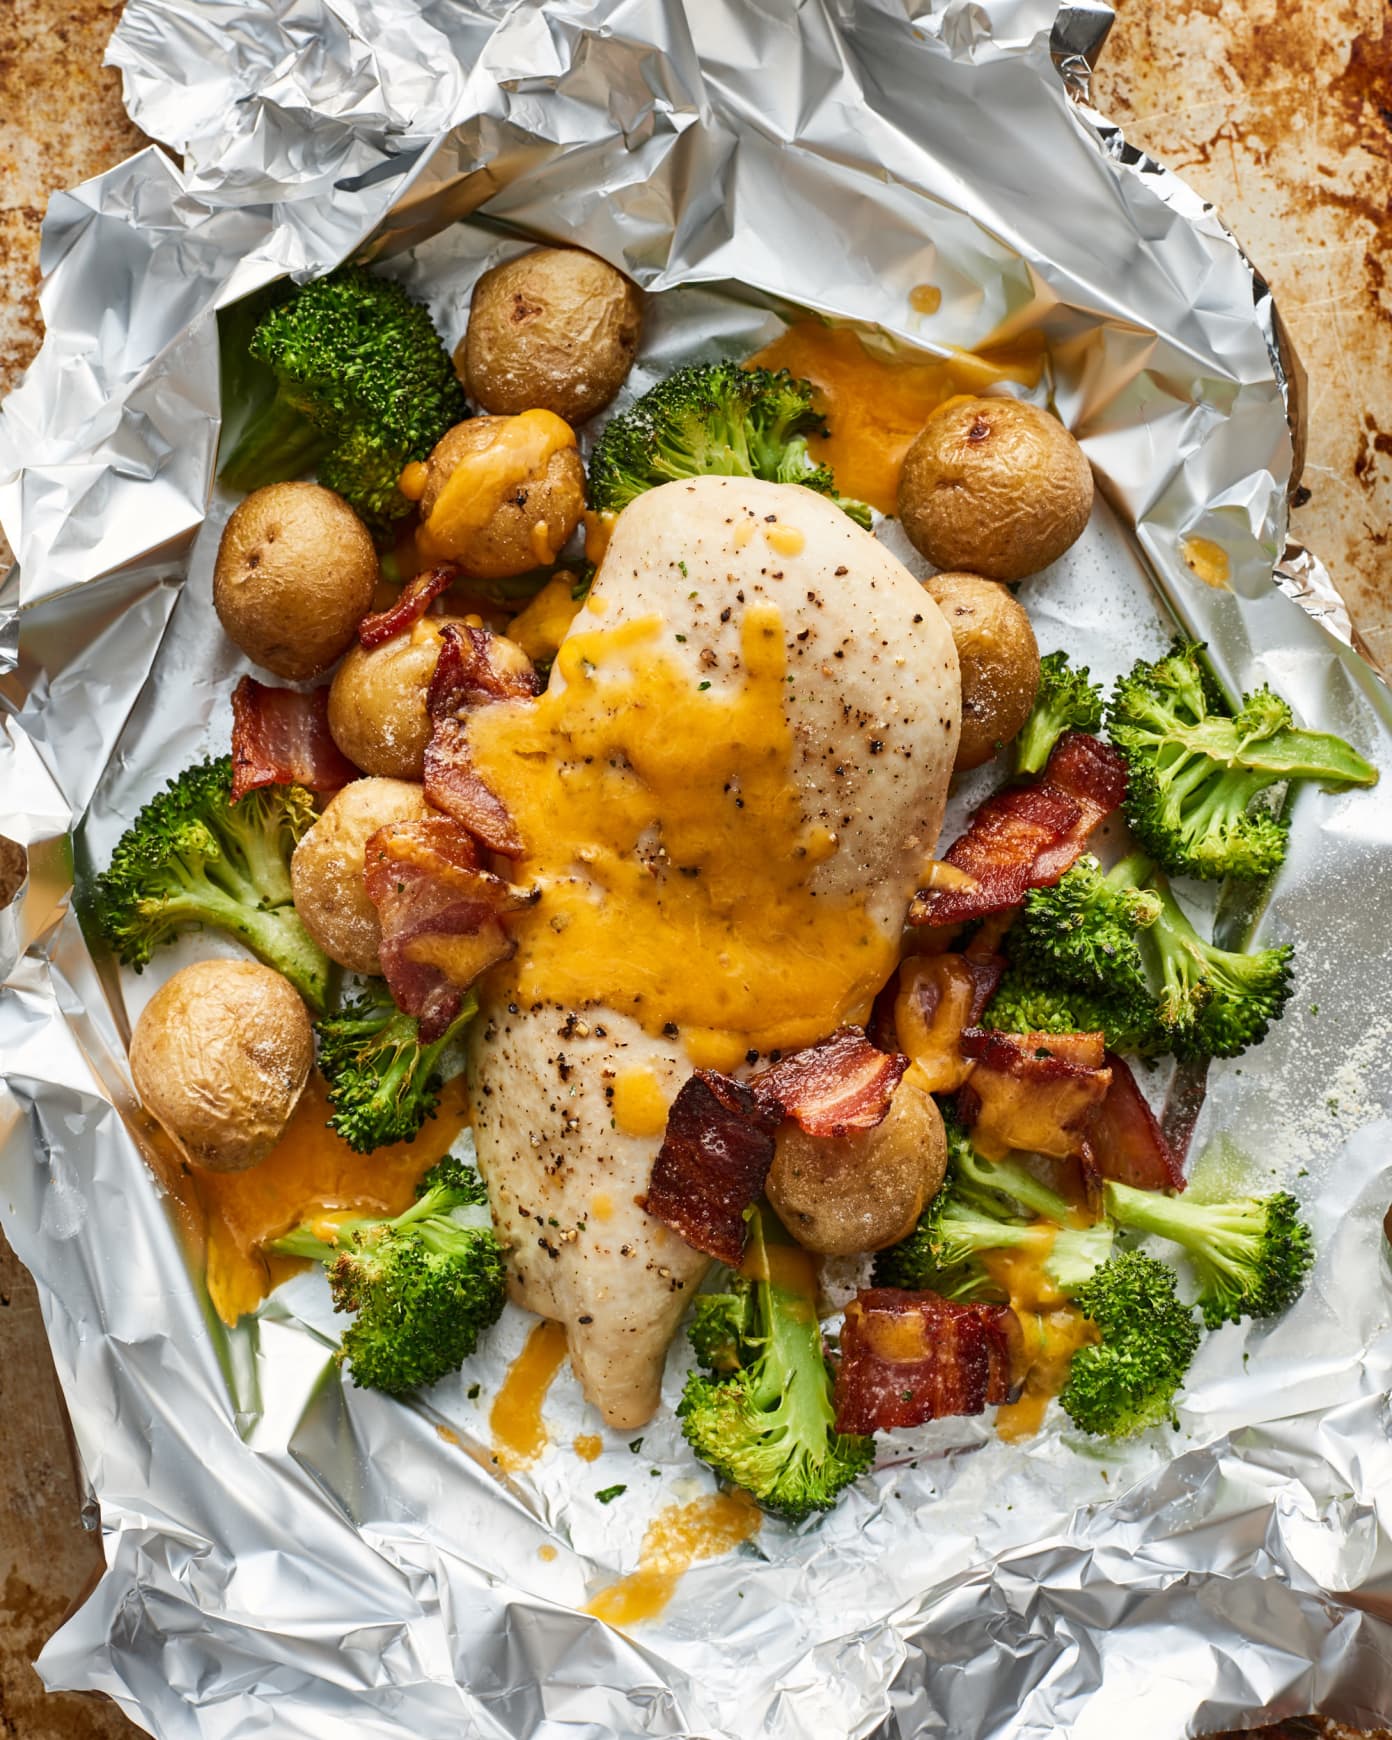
(1285, 754)
(277, 444)
(302, 1242)
(1012, 1180)
(275, 935)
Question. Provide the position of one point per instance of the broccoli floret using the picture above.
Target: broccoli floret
(1212, 1002)
(1064, 701)
(1024, 1004)
(762, 1417)
(1082, 931)
(382, 1081)
(1124, 938)
(978, 1210)
(1193, 773)
(423, 1286)
(1251, 1255)
(193, 857)
(1127, 1381)
(363, 385)
(713, 419)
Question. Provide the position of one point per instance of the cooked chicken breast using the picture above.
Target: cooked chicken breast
(728, 795)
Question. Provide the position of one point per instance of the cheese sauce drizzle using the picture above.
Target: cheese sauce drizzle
(663, 824)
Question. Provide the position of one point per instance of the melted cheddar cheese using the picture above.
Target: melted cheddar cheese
(663, 825)
(519, 449)
(309, 1175)
(876, 405)
(676, 1538)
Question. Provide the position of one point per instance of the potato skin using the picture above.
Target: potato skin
(294, 576)
(994, 487)
(326, 871)
(507, 543)
(377, 713)
(839, 1195)
(998, 657)
(220, 1056)
(556, 329)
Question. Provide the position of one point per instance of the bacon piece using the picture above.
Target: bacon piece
(440, 914)
(471, 671)
(713, 1162)
(1027, 835)
(840, 1084)
(1126, 1142)
(281, 737)
(476, 667)
(940, 996)
(409, 605)
(907, 1358)
(1036, 1091)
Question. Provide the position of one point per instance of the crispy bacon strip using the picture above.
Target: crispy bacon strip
(476, 667)
(911, 1357)
(843, 1083)
(281, 737)
(440, 914)
(1126, 1142)
(1026, 836)
(713, 1162)
(1036, 1091)
(470, 672)
(940, 996)
(409, 605)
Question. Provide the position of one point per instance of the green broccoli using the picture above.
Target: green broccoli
(978, 1210)
(1024, 1004)
(362, 386)
(382, 1081)
(1251, 1255)
(1124, 938)
(1082, 932)
(193, 857)
(1212, 1002)
(713, 419)
(1064, 701)
(762, 1416)
(1193, 772)
(423, 1286)
(1127, 1381)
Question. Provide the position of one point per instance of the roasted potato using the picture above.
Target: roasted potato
(326, 871)
(994, 487)
(220, 1055)
(860, 1192)
(998, 657)
(500, 495)
(554, 328)
(377, 701)
(294, 576)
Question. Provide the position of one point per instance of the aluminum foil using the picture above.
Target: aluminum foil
(287, 1555)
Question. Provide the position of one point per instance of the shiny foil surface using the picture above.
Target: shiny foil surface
(289, 1556)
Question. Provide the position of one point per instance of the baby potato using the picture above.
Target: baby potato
(500, 495)
(326, 872)
(555, 328)
(377, 713)
(998, 657)
(860, 1192)
(995, 487)
(220, 1056)
(294, 576)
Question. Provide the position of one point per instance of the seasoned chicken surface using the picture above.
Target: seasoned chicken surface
(723, 609)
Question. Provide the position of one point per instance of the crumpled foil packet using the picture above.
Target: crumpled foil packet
(287, 1555)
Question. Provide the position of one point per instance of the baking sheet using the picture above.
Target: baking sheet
(286, 1555)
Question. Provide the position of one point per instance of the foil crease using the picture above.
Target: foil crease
(288, 1555)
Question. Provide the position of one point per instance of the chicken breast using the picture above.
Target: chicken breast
(728, 794)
